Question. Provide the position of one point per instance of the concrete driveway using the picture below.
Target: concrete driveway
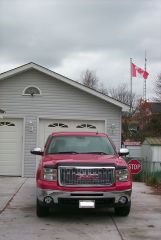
(18, 219)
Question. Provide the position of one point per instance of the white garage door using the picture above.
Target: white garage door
(10, 147)
(49, 126)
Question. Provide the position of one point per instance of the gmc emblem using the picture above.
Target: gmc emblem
(81, 176)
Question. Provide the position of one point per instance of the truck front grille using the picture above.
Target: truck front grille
(86, 176)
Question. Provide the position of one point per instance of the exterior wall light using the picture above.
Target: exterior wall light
(2, 112)
(113, 126)
(30, 126)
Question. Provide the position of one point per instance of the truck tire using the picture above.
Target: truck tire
(123, 211)
(41, 211)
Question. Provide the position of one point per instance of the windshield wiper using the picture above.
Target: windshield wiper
(101, 153)
(73, 152)
(66, 152)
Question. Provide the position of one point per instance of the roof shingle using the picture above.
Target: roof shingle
(153, 140)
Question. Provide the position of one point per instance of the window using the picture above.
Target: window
(62, 125)
(9, 124)
(86, 126)
(31, 90)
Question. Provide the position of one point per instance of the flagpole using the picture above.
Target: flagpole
(145, 79)
(131, 85)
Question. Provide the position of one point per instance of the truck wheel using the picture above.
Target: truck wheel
(123, 211)
(41, 211)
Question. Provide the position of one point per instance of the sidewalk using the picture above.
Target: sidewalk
(8, 188)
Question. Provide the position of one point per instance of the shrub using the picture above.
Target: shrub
(154, 179)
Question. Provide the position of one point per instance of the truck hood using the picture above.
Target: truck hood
(83, 158)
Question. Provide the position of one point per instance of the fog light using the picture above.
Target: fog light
(123, 200)
(48, 200)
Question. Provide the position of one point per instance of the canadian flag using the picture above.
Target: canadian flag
(137, 70)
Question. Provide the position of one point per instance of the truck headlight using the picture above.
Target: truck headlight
(50, 174)
(122, 175)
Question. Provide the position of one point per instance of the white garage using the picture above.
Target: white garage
(48, 126)
(37, 101)
(11, 147)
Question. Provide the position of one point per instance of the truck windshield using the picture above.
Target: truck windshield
(80, 144)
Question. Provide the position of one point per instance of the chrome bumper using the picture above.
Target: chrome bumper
(55, 194)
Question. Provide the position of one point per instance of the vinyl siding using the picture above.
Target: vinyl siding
(146, 152)
(156, 154)
(58, 100)
(30, 143)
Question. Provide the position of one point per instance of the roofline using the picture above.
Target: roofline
(69, 81)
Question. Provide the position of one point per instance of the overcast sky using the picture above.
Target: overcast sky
(70, 36)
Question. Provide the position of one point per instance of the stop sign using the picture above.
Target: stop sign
(134, 166)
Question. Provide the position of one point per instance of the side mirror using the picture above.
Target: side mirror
(123, 152)
(37, 151)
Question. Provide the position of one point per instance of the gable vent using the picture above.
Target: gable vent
(32, 90)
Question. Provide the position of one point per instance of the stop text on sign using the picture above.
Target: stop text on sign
(134, 166)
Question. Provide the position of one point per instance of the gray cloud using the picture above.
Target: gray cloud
(51, 32)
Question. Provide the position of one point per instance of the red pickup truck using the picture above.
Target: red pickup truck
(82, 169)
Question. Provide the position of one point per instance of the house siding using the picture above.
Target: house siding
(146, 152)
(58, 100)
(156, 154)
(134, 151)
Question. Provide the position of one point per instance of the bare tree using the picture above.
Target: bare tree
(102, 88)
(157, 89)
(122, 94)
(90, 79)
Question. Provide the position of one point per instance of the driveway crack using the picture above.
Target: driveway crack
(3, 209)
(119, 232)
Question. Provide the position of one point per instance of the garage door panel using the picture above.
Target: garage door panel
(10, 171)
(7, 134)
(8, 163)
(10, 147)
(5, 128)
(10, 132)
(8, 154)
(7, 140)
